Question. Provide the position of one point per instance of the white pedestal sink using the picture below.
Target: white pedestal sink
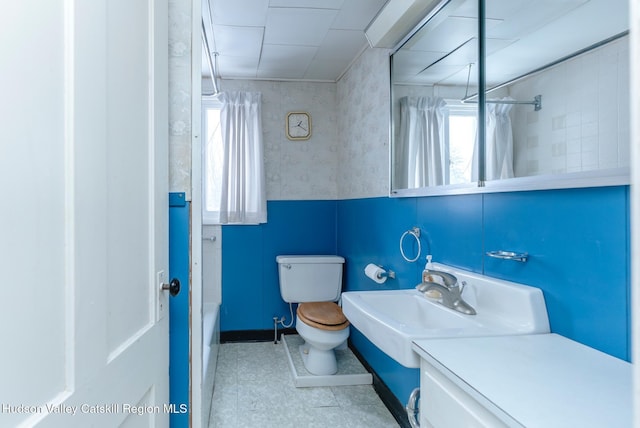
(393, 319)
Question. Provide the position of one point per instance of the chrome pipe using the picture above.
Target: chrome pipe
(536, 103)
(212, 69)
(413, 408)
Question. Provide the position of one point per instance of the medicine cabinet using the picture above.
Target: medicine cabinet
(500, 95)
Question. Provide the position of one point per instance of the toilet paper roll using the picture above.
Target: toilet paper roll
(375, 273)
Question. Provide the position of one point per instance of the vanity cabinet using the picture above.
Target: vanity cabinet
(533, 381)
(444, 404)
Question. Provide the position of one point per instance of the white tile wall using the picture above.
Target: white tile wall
(584, 121)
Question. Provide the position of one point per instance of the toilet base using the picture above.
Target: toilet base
(318, 362)
(350, 369)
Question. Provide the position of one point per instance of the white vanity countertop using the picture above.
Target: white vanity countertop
(543, 380)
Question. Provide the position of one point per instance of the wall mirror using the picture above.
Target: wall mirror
(546, 106)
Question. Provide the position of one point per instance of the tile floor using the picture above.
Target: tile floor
(254, 388)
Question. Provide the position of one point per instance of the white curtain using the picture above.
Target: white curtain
(242, 196)
(421, 154)
(499, 142)
(499, 152)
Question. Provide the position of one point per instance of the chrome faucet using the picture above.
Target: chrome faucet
(451, 292)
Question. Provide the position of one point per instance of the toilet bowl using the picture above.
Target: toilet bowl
(315, 283)
(323, 327)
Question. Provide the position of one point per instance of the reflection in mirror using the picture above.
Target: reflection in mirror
(434, 133)
(577, 62)
(557, 79)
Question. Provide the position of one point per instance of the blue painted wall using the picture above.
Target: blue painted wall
(179, 268)
(250, 288)
(580, 257)
(578, 240)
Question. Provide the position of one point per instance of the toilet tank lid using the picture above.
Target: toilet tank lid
(309, 259)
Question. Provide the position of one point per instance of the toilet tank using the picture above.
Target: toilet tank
(310, 278)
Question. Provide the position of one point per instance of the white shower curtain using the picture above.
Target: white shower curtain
(498, 143)
(421, 154)
(242, 197)
(499, 152)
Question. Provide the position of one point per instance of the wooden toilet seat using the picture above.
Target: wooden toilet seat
(322, 315)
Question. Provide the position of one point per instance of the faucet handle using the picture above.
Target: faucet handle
(449, 280)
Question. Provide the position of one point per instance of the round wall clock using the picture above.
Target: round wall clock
(298, 125)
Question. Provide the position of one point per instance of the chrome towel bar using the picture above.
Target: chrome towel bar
(508, 255)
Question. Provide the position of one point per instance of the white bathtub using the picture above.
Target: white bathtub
(210, 343)
(211, 297)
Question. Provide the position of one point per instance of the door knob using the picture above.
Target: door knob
(173, 287)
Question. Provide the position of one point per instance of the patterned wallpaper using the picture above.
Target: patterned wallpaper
(347, 156)
(180, 96)
(363, 127)
(297, 170)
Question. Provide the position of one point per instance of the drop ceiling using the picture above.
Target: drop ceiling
(521, 35)
(314, 40)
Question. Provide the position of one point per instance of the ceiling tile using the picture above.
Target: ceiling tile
(238, 41)
(306, 27)
(531, 17)
(357, 14)
(342, 44)
(452, 76)
(468, 8)
(440, 73)
(454, 67)
(326, 69)
(465, 54)
(447, 36)
(288, 39)
(412, 64)
(240, 12)
(313, 4)
(279, 74)
(229, 67)
(288, 61)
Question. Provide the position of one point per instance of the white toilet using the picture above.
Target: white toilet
(315, 282)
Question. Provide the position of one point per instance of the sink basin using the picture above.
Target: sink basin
(393, 319)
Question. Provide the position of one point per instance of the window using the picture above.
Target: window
(211, 161)
(461, 128)
(233, 163)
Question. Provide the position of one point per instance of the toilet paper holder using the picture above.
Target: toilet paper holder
(378, 274)
(386, 273)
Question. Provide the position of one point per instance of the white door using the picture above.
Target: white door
(83, 213)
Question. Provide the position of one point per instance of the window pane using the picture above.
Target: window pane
(212, 161)
(462, 135)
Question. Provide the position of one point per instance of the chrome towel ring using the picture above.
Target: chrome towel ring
(415, 232)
